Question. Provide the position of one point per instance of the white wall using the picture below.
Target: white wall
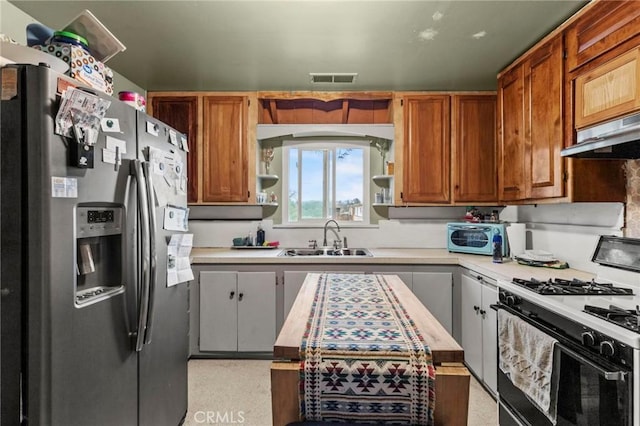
(570, 231)
(13, 23)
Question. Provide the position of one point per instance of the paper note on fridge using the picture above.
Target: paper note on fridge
(178, 264)
(176, 218)
(168, 170)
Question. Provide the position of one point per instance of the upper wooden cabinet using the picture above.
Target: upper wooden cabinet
(225, 162)
(426, 160)
(535, 121)
(181, 113)
(609, 90)
(511, 135)
(473, 148)
(543, 100)
(219, 127)
(604, 26)
(530, 126)
(449, 148)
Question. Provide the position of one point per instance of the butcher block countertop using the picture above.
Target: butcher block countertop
(387, 256)
(443, 347)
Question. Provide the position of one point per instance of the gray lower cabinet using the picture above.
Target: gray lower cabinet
(292, 283)
(237, 311)
(479, 327)
(435, 291)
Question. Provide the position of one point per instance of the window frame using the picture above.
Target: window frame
(327, 144)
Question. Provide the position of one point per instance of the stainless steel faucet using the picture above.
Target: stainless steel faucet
(324, 240)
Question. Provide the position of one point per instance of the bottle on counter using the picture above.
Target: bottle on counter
(497, 248)
(260, 236)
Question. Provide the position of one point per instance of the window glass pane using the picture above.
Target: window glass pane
(293, 185)
(312, 184)
(349, 184)
(326, 180)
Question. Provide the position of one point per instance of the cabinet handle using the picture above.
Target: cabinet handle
(476, 308)
(240, 296)
(480, 278)
(482, 312)
(233, 293)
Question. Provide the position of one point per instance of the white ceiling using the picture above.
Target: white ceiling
(274, 45)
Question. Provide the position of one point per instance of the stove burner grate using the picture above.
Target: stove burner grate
(627, 318)
(558, 286)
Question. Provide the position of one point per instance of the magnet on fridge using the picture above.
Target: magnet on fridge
(173, 137)
(110, 125)
(184, 144)
(152, 129)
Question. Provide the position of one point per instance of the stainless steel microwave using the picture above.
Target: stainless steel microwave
(475, 238)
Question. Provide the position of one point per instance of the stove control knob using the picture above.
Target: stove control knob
(607, 348)
(512, 300)
(588, 338)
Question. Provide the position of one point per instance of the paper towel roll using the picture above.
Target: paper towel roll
(517, 237)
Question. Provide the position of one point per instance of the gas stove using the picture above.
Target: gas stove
(596, 325)
(573, 287)
(586, 303)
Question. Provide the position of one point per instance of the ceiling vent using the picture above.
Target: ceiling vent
(329, 77)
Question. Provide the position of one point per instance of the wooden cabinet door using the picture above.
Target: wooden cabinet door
(543, 100)
(473, 148)
(256, 311)
(511, 135)
(427, 150)
(608, 91)
(606, 25)
(225, 162)
(218, 311)
(181, 113)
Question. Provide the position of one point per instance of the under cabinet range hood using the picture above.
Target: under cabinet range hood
(619, 138)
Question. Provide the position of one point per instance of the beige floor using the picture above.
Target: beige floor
(228, 392)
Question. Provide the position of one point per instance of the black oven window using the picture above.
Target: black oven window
(469, 238)
(585, 397)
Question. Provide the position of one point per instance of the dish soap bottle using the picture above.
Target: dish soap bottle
(260, 236)
(497, 248)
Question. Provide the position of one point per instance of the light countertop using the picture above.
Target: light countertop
(387, 256)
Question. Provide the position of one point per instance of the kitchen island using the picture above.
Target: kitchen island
(452, 378)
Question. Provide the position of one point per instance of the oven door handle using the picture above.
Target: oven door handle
(615, 376)
(494, 306)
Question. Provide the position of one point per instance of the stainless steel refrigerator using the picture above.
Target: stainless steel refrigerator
(92, 334)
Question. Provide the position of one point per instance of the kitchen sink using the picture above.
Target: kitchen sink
(327, 251)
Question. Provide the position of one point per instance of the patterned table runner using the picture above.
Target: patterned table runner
(363, 360)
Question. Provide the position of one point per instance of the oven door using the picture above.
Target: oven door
(591, 390)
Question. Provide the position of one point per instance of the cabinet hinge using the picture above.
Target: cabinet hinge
(401, 195)
(248, 194)
(565, 176)
(401, 102)
(248, 102)
(565, 55)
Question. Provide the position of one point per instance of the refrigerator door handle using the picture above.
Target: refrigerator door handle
(144, 284)
(153, 270)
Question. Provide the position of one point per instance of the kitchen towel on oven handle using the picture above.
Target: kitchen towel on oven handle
(526, 356)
